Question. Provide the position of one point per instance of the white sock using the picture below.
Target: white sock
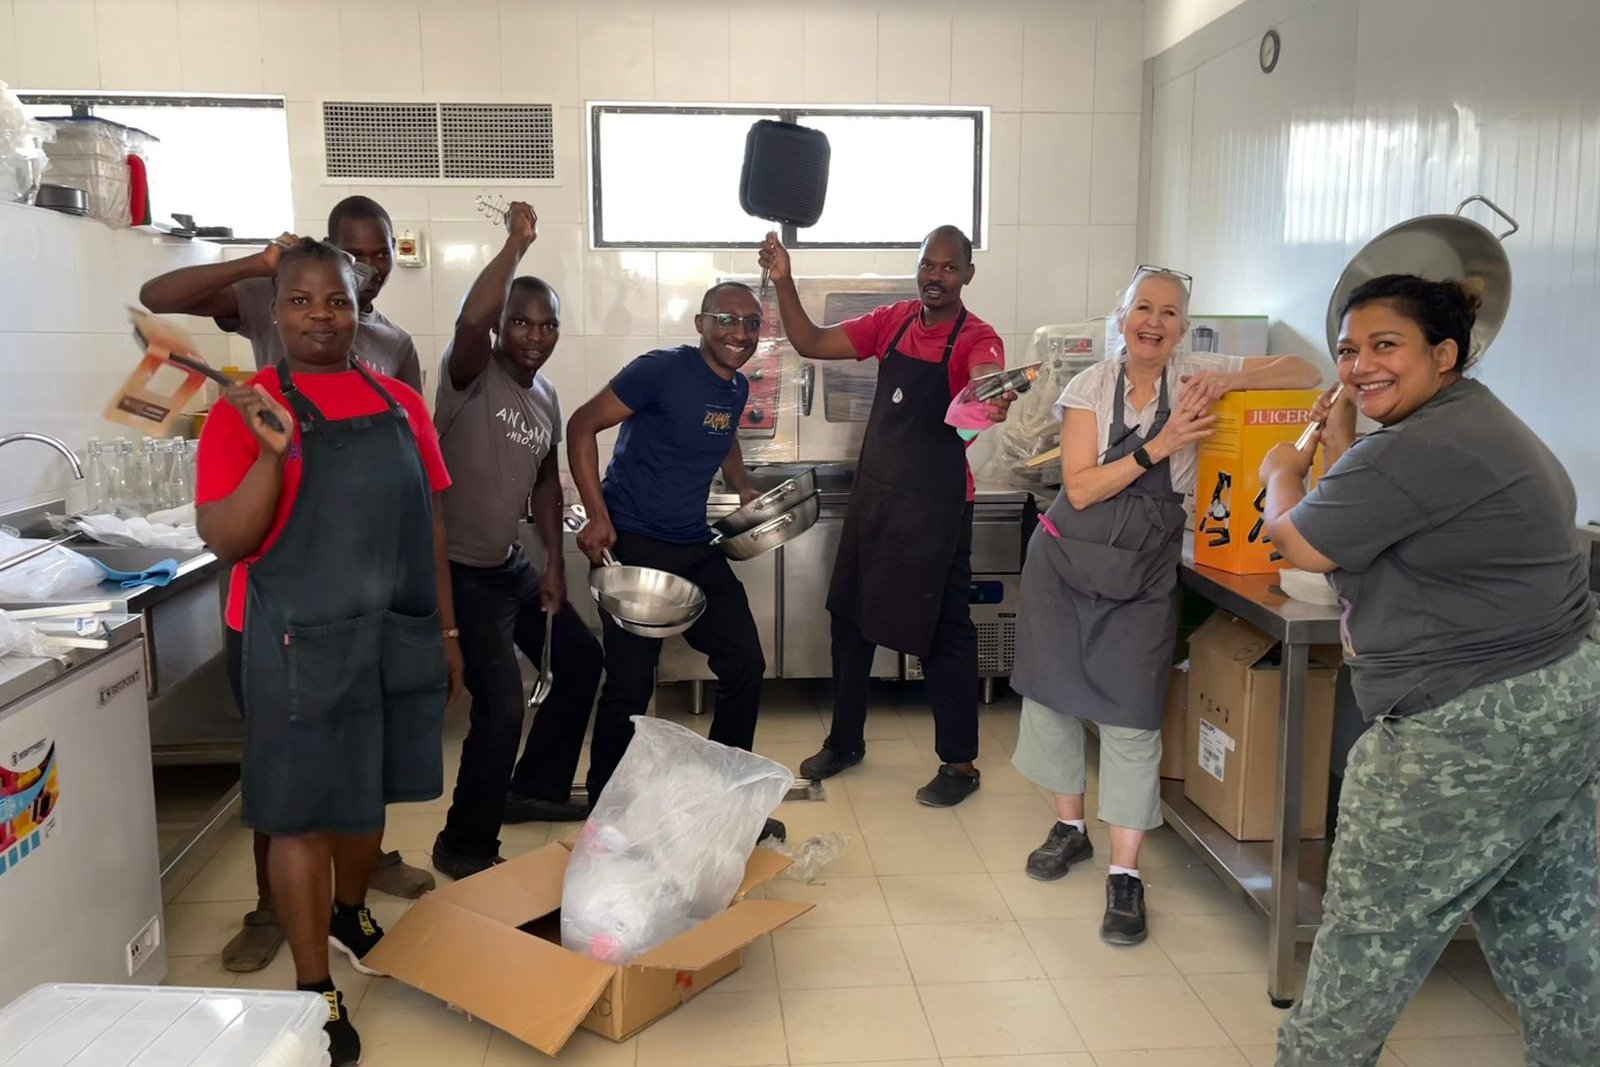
(1131, 872)
(1078, 824)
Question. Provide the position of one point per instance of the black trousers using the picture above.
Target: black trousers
(950, 669)
(726, 633)
(498, 611)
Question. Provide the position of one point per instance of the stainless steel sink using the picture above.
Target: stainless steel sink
(133, 557)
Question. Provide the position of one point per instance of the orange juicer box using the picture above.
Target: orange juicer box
(1229, 530)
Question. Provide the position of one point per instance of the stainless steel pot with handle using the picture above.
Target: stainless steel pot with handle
(1438, 247)
(772, 533)
(768, 506)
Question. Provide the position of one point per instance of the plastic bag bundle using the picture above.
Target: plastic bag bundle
(17, 638)
(45, 575)
(666, 846)
(146, 532)
(811, 857)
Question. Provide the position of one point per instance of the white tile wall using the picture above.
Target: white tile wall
(691, 50)
(132, 37)
(458, 49)
(1263, 186)
(57, 44)
(1114, 192)
(1048, 69)
(64, 340)
(212, 52)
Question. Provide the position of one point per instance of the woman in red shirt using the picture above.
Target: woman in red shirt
(339, 611)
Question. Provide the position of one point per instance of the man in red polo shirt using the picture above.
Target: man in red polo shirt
(903, 574)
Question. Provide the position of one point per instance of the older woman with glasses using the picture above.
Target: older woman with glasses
(1099, 609)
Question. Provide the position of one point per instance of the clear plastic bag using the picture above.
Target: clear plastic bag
(666, 846)
(19, 639)
(44, 575)
(811, 857)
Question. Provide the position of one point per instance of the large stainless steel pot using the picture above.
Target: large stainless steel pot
(1438, 247)
(768, 506)
(772, 533)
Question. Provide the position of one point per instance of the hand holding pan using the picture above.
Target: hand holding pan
(785, 176)
(167, 338)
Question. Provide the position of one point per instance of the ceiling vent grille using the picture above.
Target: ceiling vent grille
(431, 141)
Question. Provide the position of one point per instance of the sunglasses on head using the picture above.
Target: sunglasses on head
(1149, 268)
(728, 322)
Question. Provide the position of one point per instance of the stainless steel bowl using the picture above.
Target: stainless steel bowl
(1437, 247)
(644, 596)
(772, 533)
(769, 505)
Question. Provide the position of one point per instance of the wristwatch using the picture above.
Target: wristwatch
(1142, 458)
(453, 632)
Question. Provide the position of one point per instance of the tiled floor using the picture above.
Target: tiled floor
(928, 946)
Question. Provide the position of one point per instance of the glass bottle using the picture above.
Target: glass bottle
(94, 476)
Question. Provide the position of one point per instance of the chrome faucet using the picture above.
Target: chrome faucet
(54, 442)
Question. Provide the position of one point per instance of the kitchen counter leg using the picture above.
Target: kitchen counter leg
(1282, 982)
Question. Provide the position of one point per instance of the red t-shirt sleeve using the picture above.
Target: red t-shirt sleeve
(422, 428)
(870, 333)
(985, 347)
(227, 451)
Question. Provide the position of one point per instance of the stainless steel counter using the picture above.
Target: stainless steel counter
(1283, 879)
(20, 677)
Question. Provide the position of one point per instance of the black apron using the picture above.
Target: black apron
(344, 672)
(1097, 620)
(906, 509)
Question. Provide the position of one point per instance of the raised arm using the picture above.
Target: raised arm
(1258, 372)
(207, 289)
(473, 342)
(809, 339)
(234, 526)
(602, 412)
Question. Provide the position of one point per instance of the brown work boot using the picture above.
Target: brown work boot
(396, 877)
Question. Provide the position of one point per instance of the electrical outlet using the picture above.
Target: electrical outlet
(144, 945)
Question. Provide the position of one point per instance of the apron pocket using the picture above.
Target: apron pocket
(1110, 573)
(413, 656)
(329, 666)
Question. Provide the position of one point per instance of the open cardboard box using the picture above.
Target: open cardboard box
(491, 946)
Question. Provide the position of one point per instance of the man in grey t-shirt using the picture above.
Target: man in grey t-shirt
(238, 293)
(499, 422)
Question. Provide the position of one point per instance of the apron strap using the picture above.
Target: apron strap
(949, 346)
(388, 398)
(310, 417)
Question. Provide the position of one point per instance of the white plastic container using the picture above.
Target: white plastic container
(159, 1026)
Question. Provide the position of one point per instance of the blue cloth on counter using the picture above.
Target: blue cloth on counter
(157, 574)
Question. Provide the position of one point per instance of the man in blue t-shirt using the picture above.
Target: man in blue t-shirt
(679, 410)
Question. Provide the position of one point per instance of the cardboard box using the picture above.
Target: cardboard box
(1175, 724)
(1229, 531)
(491, 946)
(1235, 695)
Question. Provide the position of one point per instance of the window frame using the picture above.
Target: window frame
(791, 235)
(86, 101)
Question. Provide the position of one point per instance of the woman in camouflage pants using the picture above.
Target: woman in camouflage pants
(1470, 634)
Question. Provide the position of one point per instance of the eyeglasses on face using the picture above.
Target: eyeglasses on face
(728, 322)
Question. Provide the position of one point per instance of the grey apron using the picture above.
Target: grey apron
(904, 522)
(344, 675)
(1098, 615)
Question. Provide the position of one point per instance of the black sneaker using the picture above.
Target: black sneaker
(827, 763)
(355, 932)
(774, 830)
(459, 865)
(1065, 846)
(521, 808)
(1124, 921)
(344, 1044)
(948, 788)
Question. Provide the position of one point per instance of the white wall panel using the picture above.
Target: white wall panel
(1380, 110)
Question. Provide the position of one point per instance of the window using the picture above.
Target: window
(668, 176)
(223, 160)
